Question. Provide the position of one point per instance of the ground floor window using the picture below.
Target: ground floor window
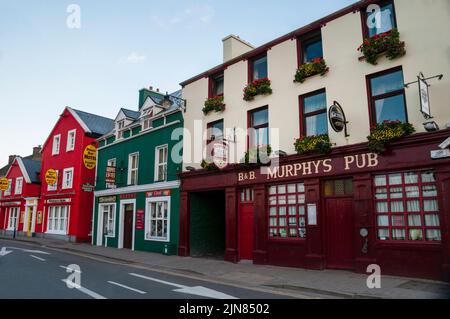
(157, 219)
(57, 219)
(287, 217)
(407, 206)
(13, 218)
(109, 219)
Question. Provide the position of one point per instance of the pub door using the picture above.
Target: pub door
(246, 222)
(128, 226)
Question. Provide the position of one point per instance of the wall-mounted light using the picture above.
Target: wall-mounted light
(431, 126)
(190, 169)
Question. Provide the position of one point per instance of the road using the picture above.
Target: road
(33, 272)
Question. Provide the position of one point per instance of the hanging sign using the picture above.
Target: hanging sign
(51, 177)
(90, 157)
(424, 98)
(4, 184)
(218, 152)
(337, 118)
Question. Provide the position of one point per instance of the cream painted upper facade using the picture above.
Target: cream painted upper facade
(424, 25)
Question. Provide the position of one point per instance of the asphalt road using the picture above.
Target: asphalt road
(38, 273)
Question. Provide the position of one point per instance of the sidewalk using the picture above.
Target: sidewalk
(293, 281)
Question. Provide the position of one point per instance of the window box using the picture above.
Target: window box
(318, 144)
(214, 104)
(316, 66)
(387, 44)
(387, 132)
(208, 166)
(259, 156)
(257, 87)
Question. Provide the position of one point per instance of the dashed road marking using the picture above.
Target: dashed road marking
(126, 287)
(38, 258)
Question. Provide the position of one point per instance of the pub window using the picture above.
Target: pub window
(311, 47)
(387, 97)
(407, 207)
(109, 212)
(258, 68)
(313, 107)
(217, 84)
(259, 128)
(287, 213)
(381, 21)
(157, 219)
(215, 131)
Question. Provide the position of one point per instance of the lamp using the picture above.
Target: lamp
(431, 126)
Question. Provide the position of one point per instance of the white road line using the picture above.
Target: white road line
(38, 258)
(157, 280)
(86, 291)
(72, 270)
(126, 287)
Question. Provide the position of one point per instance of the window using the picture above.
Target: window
(247, 195)
(56, 144)
(385, 21)
(147, 124)
(311, 47)
(339, 187)
(287, 216)
(313, 108)
(157, 219)
(109, 213)
(258, 68)
(259, 128)
(71, 135)
(120, 127)
(387, 97)
(133, 164)
(407, 207)
(19, 186)
(216, 85)
(8, 191)
(13, 218)
(67, 178)
(57, 219)
(215, 131)
(111, 173)
(53, 188)
(161, 163)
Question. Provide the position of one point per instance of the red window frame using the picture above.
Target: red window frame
(209, 126)
(303, 115)
(211, 83)
(363, 12)
(250, 123)
(251, 62)
(405, 214)
(299, 191)
(305, 38)
(373, 99)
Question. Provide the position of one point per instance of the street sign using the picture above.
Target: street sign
(440, 154)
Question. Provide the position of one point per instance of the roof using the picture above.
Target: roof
(4, 170)
(96, 124)
(131, 114)
(33, 168)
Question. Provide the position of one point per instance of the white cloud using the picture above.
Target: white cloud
(134, 58)
(195, 14)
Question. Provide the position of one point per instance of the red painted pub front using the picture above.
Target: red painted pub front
(347, 210)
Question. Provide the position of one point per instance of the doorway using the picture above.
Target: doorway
(128, 210)
(246, 222)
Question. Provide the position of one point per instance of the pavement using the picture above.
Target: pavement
(243, 280)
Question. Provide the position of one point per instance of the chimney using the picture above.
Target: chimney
(157, 90)
(11, 159)
(37, 152)
(233, 46)
(151, 88)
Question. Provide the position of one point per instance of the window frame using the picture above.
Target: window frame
(364, 16)
(53, 218)
(111, 212)
(65, 180)
(304, 116)
(372, 100)
(110, 185)
(250, 126)
(305, 38)
(148, 218)
(131, 170)
(212, 81)
(11, 226)
(70, 147)
(16, 191)
(209, 127)
(158, 164)
(8, 192)
(56, 147)
(251, 63)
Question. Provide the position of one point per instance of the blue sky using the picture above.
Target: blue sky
(121, 47)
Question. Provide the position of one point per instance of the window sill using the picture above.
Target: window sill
(56, 233)
(407, 245)
(160, 240)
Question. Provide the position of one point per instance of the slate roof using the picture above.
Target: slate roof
(4, 170)
(131, 114)
(33, 169)
(97, 124)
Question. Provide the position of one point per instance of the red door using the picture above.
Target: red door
(246, 221)
(339, 225)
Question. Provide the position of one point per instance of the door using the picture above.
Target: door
(128, 226)
(339, 225)
(246, 221)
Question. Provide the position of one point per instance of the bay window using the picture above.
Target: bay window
(157, 219)
(57, 220)
(259, 128)
(313, 109)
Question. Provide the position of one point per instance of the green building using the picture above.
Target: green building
(137, 196)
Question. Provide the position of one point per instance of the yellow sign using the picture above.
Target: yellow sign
(4, 184)
(51, 177)
(90, 157)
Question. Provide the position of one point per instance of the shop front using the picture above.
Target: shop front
(346, 210)
(56, 221)
(12, 213)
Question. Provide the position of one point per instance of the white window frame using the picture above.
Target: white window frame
(54, 188)
(120, 128)
(148, 219)
(18, 188)
(71, 139)
(131, 170)
(55, 215)
(56, 147)
(111, 216)
(13, 215)
(65, 180)
(109, 164)
(158, 165)
(8, 191)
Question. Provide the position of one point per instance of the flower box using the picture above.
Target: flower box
(317, 144)
(258, 156)
(387, 132)
(257, 87)
(387, 44)
(316, 66)
(214, 104)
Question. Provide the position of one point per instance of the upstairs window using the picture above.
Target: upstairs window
(217, 85)
(120, 127)
(71, 135)
(56, 144)
(8, 191)
(19, 186)
(67, 178)
(313, 108)
(387, 97)
(161, 163)
(311, 47)
(379, 21)
(258, 68)
(259, 128)
(133, 165)
(215, 131)
(111, 173)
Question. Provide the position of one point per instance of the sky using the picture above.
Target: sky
(120, 47)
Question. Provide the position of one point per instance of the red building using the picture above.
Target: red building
(19, 204)
(69, 157)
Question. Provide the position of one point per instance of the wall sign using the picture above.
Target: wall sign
(160, 193)
(90, 157)
(107, 200)
(51, 177)
(4, 184)
(89, 188)
(128, 196)
(110, 177)
(337, 118)
(312, 214)
(440, 154)
(58, 201)
(140, 217)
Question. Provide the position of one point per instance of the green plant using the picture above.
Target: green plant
(258, 155)
(388, 43)
(319, 144)
(208, 166)
(386, 132)
(257, 87)
(214, 104)
(316, 66)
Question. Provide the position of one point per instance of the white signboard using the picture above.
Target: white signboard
(312, 215)
(424, 98)
(440, 154)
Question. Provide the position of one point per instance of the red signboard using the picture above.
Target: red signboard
(140, 219)
(128, 196)
(160, 193)
(110, 177)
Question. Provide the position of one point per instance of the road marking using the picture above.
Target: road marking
(197, 290)
(4, 252)
(126, 287)
(38, 258)
(84, 290)
(29, 250)
(70, 269)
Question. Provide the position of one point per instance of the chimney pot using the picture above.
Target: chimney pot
(151, 88)
(157, 90)
(11, 159)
